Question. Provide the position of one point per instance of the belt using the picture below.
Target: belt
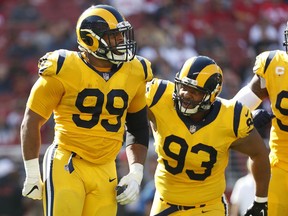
(69, 166)
(174, 208)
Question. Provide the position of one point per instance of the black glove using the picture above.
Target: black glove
(261, 118)
(120, 189)
(257, 209)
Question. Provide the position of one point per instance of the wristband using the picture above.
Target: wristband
(136, 167)
(137, 170)
(248, 97)
(261, 199)
(32, 168)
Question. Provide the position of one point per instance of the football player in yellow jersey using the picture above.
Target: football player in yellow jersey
(271, 81)
(194, 131)
(92, 94)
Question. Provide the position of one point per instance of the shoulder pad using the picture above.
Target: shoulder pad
(154, 91)
(263, 60)
(242, 120)
(146, 65)
(51, 63)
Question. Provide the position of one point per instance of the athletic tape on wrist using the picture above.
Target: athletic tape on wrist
(248, 97)
(32, 168)
(261, 199)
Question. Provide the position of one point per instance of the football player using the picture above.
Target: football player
(270, 82)
(194, 131)
(92, 94)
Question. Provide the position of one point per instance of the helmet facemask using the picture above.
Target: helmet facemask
(203, 105)
(120, 52)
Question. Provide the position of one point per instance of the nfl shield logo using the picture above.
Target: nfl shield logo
(192, 129)
(106, 76)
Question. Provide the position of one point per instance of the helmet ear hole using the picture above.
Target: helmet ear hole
(88, 41)
(92, 43)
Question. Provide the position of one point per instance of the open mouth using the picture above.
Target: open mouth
(187, 103)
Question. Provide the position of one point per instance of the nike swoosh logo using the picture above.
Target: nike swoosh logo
(34, 188)
(204, 211)
(110, 180)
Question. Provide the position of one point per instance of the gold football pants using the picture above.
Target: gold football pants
(278, 192)
(217, 207)
(75, 187)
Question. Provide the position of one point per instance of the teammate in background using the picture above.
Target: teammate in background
(194, 131)
(242, 195)
(92, 94)
(270, 81)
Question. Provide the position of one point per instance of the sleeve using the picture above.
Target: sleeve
(151, 88)
(138, 101)
(147, 69)
(137, 128)
(51, 63)
(245, 123)
(261, 63)
(45, 95)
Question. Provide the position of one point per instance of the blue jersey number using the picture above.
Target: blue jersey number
(181, 155)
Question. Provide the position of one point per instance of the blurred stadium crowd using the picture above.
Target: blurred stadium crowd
(168, 32)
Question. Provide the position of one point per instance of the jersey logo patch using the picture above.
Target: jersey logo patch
(106, 76)
(192, 129)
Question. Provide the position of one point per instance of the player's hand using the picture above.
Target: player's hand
(261, 118)
(129, 186)
(257, 209)
(33, 185)
(32, 188)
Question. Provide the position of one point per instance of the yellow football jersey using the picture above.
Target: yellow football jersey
(192, 157)
(273, 67)
(89, 106)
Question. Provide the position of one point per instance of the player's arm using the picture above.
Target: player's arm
(258, 87)
(44, 96)
(254, 146)
(30, 134)
(137, 140)
(252, 94)
(30, 143)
